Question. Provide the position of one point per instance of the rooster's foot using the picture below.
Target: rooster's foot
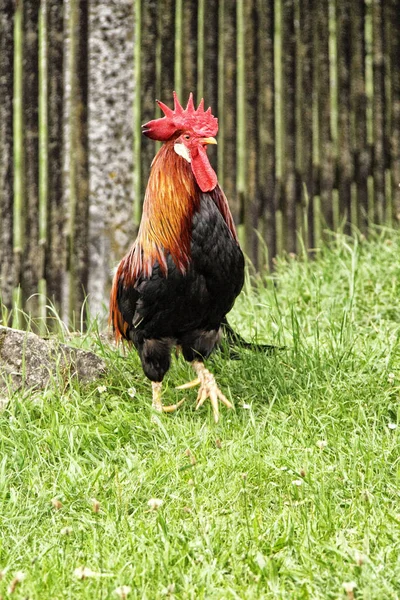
(189, 384)
(208, 389)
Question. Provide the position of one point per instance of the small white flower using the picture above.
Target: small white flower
(101, 389)
(122, 591)
(297, 482)
(246, 406)
(169, 590)
(85, 572)
(392, 425)
(359, 558)
(66, 531)
(322, 444)
(82, 572)
(3, 402)
(132, 394)
(55, 502)
(17, 579)
(349, 586)
(155, 503)
(284, 468)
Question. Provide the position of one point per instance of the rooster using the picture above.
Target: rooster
(185, 269)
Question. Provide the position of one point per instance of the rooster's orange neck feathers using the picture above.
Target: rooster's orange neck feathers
(170, 200)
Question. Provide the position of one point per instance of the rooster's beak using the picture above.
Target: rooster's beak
(209, 140)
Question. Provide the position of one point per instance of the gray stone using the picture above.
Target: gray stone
(110, 130)
(29, 361)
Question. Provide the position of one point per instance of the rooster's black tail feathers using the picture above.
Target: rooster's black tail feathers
(235, 340)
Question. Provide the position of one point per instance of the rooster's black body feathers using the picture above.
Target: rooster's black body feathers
(185, 308)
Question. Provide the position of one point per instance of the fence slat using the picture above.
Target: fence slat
(79, 189)
(395, 120)
(55, 262)
(289, 125)
(361, 156)
(344, 164)
(378, 111)
(306, 117)
(189, 47)
(210, 64)
(324, 151)
(388, 34)
(166, 36)
(227, 106)
(266, 123)
(6, 151)
(148, 26)
(30, 103)
(249, 124)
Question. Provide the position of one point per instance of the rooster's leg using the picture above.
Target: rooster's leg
(157, 404)
(208, 389)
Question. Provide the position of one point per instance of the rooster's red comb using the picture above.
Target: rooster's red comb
(198, 120)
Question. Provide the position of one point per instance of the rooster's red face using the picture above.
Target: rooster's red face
(193, 148)
(195, 129)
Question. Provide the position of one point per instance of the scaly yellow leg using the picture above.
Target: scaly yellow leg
(156, 404)
(208, 389)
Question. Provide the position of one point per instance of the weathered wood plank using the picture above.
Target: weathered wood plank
(166, 36)
(6, 151)
(30, 272)
(248, 123)
(289, 116)
(79, 173)
(345, 162)
(325, 173)
(361, 155)
(148, 26)
(55, 262)
(379, 108)
(395, 109)
(210, 64)
(306, 53)
(266, 123)
(227, 139)
(189, 47)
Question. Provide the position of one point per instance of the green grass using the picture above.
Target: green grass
(233, 523)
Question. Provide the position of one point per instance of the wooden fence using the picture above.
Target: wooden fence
(307, 94)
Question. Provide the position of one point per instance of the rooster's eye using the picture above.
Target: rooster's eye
(187, 136)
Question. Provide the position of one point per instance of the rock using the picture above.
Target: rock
(30, 361)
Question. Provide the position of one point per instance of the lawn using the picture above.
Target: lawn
(295, 494)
